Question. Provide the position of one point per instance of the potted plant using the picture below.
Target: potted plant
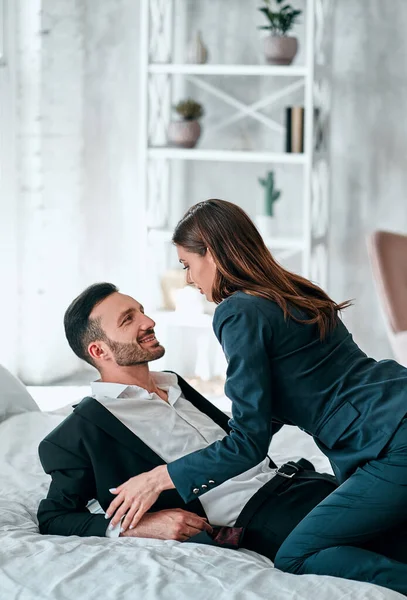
(185, 132)
(271, 195)
(280, 48)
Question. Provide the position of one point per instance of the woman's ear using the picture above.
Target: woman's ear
(210, 256)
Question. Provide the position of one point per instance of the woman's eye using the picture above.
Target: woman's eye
(186, 267)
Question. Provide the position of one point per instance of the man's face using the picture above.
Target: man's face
(130, 338)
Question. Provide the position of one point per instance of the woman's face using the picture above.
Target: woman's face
(201, 270)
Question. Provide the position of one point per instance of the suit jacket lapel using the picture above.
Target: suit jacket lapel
(203, 404)
(96, 413)
(93, 411)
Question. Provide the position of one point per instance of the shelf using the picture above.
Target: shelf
(227, 155)
(192, 69)
(277, 243)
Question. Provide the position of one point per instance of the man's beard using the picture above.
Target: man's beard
(131, 354)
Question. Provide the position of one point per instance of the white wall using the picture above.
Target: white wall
(113, 209)
(50, 101)
(78, 215)
(9, 315)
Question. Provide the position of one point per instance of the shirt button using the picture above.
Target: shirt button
(196, 490)
(204, 487)
(211, 481)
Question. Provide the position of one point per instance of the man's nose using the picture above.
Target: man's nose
(148, 323)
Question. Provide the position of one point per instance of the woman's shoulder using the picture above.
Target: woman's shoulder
(244, 305)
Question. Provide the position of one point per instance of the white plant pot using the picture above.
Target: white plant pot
(280, 49)
(184, 134)
(266, 226)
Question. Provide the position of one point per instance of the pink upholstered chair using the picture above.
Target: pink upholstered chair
(388, 256)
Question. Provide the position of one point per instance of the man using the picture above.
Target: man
(135, 421)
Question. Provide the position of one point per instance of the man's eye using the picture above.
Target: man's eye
(128, 318)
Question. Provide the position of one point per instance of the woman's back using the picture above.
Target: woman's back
(329, 388)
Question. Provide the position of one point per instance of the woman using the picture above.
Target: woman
(292, 361)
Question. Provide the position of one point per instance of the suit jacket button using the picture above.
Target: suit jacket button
(196, 490)
(204, 487)
(211, 481)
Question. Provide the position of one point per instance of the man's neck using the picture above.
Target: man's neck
(138, 375)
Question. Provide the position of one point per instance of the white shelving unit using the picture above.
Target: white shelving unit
(157, 160)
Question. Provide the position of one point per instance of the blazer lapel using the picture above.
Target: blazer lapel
(203, 404)
(93, 411)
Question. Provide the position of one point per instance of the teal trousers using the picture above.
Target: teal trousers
(360, 530)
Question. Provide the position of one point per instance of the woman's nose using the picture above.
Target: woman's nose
(189, 278)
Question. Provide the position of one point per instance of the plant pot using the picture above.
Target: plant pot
(184, 134)
(265, 225)
(280, 49)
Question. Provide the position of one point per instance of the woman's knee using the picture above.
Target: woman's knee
(289, 563)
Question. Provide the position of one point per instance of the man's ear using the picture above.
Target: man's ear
(98, 351)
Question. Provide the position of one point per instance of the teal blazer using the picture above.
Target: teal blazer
(279, 372)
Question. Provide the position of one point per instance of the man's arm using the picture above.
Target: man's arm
(171, 524)
(63, 511)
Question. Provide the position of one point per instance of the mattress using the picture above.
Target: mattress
(37, 567)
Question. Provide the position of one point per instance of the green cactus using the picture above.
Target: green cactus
(271, 194)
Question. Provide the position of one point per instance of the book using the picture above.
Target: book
(294, 129)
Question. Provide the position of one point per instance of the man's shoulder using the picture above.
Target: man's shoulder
(70, 427)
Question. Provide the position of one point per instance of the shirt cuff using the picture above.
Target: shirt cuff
(115, 532)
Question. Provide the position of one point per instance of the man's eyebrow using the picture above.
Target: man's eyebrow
(124, 314)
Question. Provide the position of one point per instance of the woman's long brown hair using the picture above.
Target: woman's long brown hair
(244, 263)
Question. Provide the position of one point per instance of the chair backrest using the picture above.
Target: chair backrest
(388, 255)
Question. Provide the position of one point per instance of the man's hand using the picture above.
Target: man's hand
(170, 524)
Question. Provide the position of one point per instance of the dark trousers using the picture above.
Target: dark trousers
(360, 530)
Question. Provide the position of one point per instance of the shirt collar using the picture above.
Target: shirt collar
(165, 381)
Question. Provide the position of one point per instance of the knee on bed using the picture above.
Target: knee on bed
(288, 563)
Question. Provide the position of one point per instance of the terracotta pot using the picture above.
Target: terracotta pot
(184, 134)
(280, 49)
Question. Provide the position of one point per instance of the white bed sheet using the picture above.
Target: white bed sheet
(36, 567)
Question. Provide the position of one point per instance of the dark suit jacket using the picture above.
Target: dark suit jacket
(92, 451)
(278, 369)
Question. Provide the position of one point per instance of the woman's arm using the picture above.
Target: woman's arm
(245, 334)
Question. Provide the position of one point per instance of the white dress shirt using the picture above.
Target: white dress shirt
(175, 428)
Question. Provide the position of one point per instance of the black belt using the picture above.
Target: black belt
(282, 476)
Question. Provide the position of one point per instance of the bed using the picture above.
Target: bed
(37, 567)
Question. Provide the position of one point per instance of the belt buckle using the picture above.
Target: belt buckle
(287, 475)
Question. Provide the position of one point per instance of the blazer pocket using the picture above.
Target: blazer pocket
(337, 424)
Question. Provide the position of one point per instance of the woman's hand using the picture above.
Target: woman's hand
(136, 496)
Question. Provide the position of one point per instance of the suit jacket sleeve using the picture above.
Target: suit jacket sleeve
(245, 334)
(63, 511)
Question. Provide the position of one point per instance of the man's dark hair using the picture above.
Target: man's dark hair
(80, 330)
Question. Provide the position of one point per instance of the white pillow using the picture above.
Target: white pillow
(14, 398)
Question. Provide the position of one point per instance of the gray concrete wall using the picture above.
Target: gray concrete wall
(369, 152)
